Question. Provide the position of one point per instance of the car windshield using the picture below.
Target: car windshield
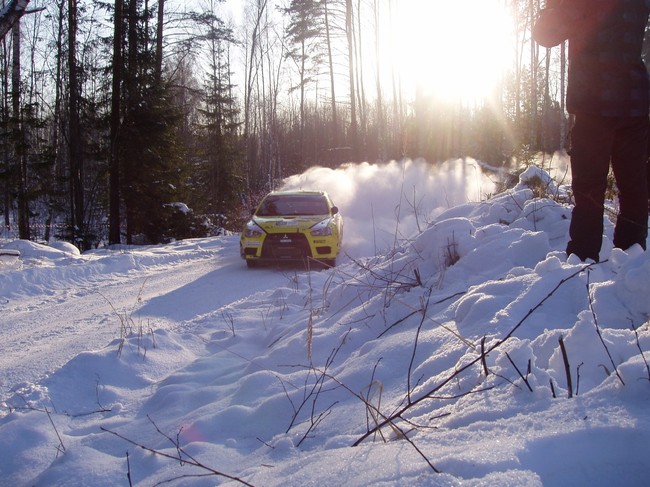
(283, 205)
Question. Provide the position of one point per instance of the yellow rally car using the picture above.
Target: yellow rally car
(293, 226)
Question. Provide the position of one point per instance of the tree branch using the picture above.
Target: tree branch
(10, 14)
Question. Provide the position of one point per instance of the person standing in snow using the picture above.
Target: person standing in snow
(608, 92)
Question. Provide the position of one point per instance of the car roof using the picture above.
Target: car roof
(297, 193)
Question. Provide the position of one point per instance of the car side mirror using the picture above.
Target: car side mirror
(335, 210)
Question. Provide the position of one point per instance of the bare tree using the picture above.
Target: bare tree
(304, 32)
(114, 231)
(252, 68)
(362, 108)
(10, 14)
(563, 70)
(74, 133)
(398, 104)
(330, 62)
(270, 114)
(19, 136)
(349, 30)
(534, 62)
(380, 120)
(4, 120)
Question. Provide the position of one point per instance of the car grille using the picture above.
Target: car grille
(285, 246)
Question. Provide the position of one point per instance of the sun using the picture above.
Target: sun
(455, 50)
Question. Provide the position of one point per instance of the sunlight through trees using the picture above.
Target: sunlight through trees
(114, 111)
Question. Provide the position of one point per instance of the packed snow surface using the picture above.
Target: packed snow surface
(454, 344)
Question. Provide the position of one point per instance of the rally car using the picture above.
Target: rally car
(294, 226)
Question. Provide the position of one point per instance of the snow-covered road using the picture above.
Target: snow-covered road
(44, 322)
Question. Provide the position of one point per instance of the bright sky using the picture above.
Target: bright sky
(453, 49)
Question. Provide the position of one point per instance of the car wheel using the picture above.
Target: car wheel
(252, 263)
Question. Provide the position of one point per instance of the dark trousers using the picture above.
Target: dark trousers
(597, 142)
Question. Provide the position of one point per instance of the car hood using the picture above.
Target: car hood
(279, 224)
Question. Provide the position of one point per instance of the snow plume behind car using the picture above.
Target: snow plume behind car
(383, 203)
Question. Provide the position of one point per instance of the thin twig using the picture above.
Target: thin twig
(483, 357)
(567, 368)
(128, 470)
(578, 377)
(182, 455)
(600, 336)
(638, 344)
(49, 416)
(415, 346)
(525, 379)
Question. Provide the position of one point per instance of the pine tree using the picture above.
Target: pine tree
(151, 155)
(221, 172)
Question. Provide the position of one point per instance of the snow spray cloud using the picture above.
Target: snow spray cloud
(384, 204)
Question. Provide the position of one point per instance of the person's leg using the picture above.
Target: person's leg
(648, 172)
(629, 161)
(648, 168)
(591, 143)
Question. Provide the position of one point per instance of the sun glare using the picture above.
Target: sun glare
(453, 50)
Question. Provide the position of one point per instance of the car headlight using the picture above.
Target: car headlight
(322, 229)
(253, 230)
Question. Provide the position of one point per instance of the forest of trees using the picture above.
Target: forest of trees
(118, 115)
